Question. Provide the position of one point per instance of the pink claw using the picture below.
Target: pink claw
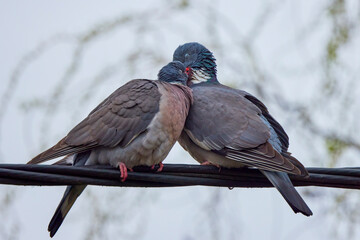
(161, 166)
(207, 163)
(123, 171)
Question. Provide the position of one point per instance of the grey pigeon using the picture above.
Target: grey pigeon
(136, 125)
(231, 128)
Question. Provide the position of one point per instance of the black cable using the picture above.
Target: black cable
(173, 175)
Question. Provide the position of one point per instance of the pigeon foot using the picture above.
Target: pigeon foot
(123, 171)
(207, 163)
(161, 166)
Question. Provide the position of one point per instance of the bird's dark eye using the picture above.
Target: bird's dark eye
(187, 56)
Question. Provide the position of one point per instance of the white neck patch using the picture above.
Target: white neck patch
(200, 75)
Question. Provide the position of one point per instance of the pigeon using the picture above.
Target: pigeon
(231, 128)
(136, 125)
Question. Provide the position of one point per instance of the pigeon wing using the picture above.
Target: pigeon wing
(223, 121)
(117, 121)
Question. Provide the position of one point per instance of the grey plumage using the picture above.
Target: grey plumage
(136, 125)
(234, 131)
(231, 128)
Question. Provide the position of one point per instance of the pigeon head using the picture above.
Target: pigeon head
(174, 73)
(199, 62)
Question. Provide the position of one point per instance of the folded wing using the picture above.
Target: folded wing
(117, 121)
(234, 127)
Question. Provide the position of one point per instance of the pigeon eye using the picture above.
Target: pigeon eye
(187, 56)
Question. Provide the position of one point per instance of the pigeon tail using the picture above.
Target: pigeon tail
(70, 195)
(68, 200)
(283, 184)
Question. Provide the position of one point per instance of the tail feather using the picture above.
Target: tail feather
(69, 198)
(297, 164)
(284, 185)
(70, 195)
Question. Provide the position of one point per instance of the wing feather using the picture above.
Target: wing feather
(231, 126)
(118, 120)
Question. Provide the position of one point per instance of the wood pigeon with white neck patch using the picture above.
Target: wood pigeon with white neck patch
(231, 128)
(136, 125)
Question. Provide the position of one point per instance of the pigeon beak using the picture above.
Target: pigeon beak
(189, 73)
